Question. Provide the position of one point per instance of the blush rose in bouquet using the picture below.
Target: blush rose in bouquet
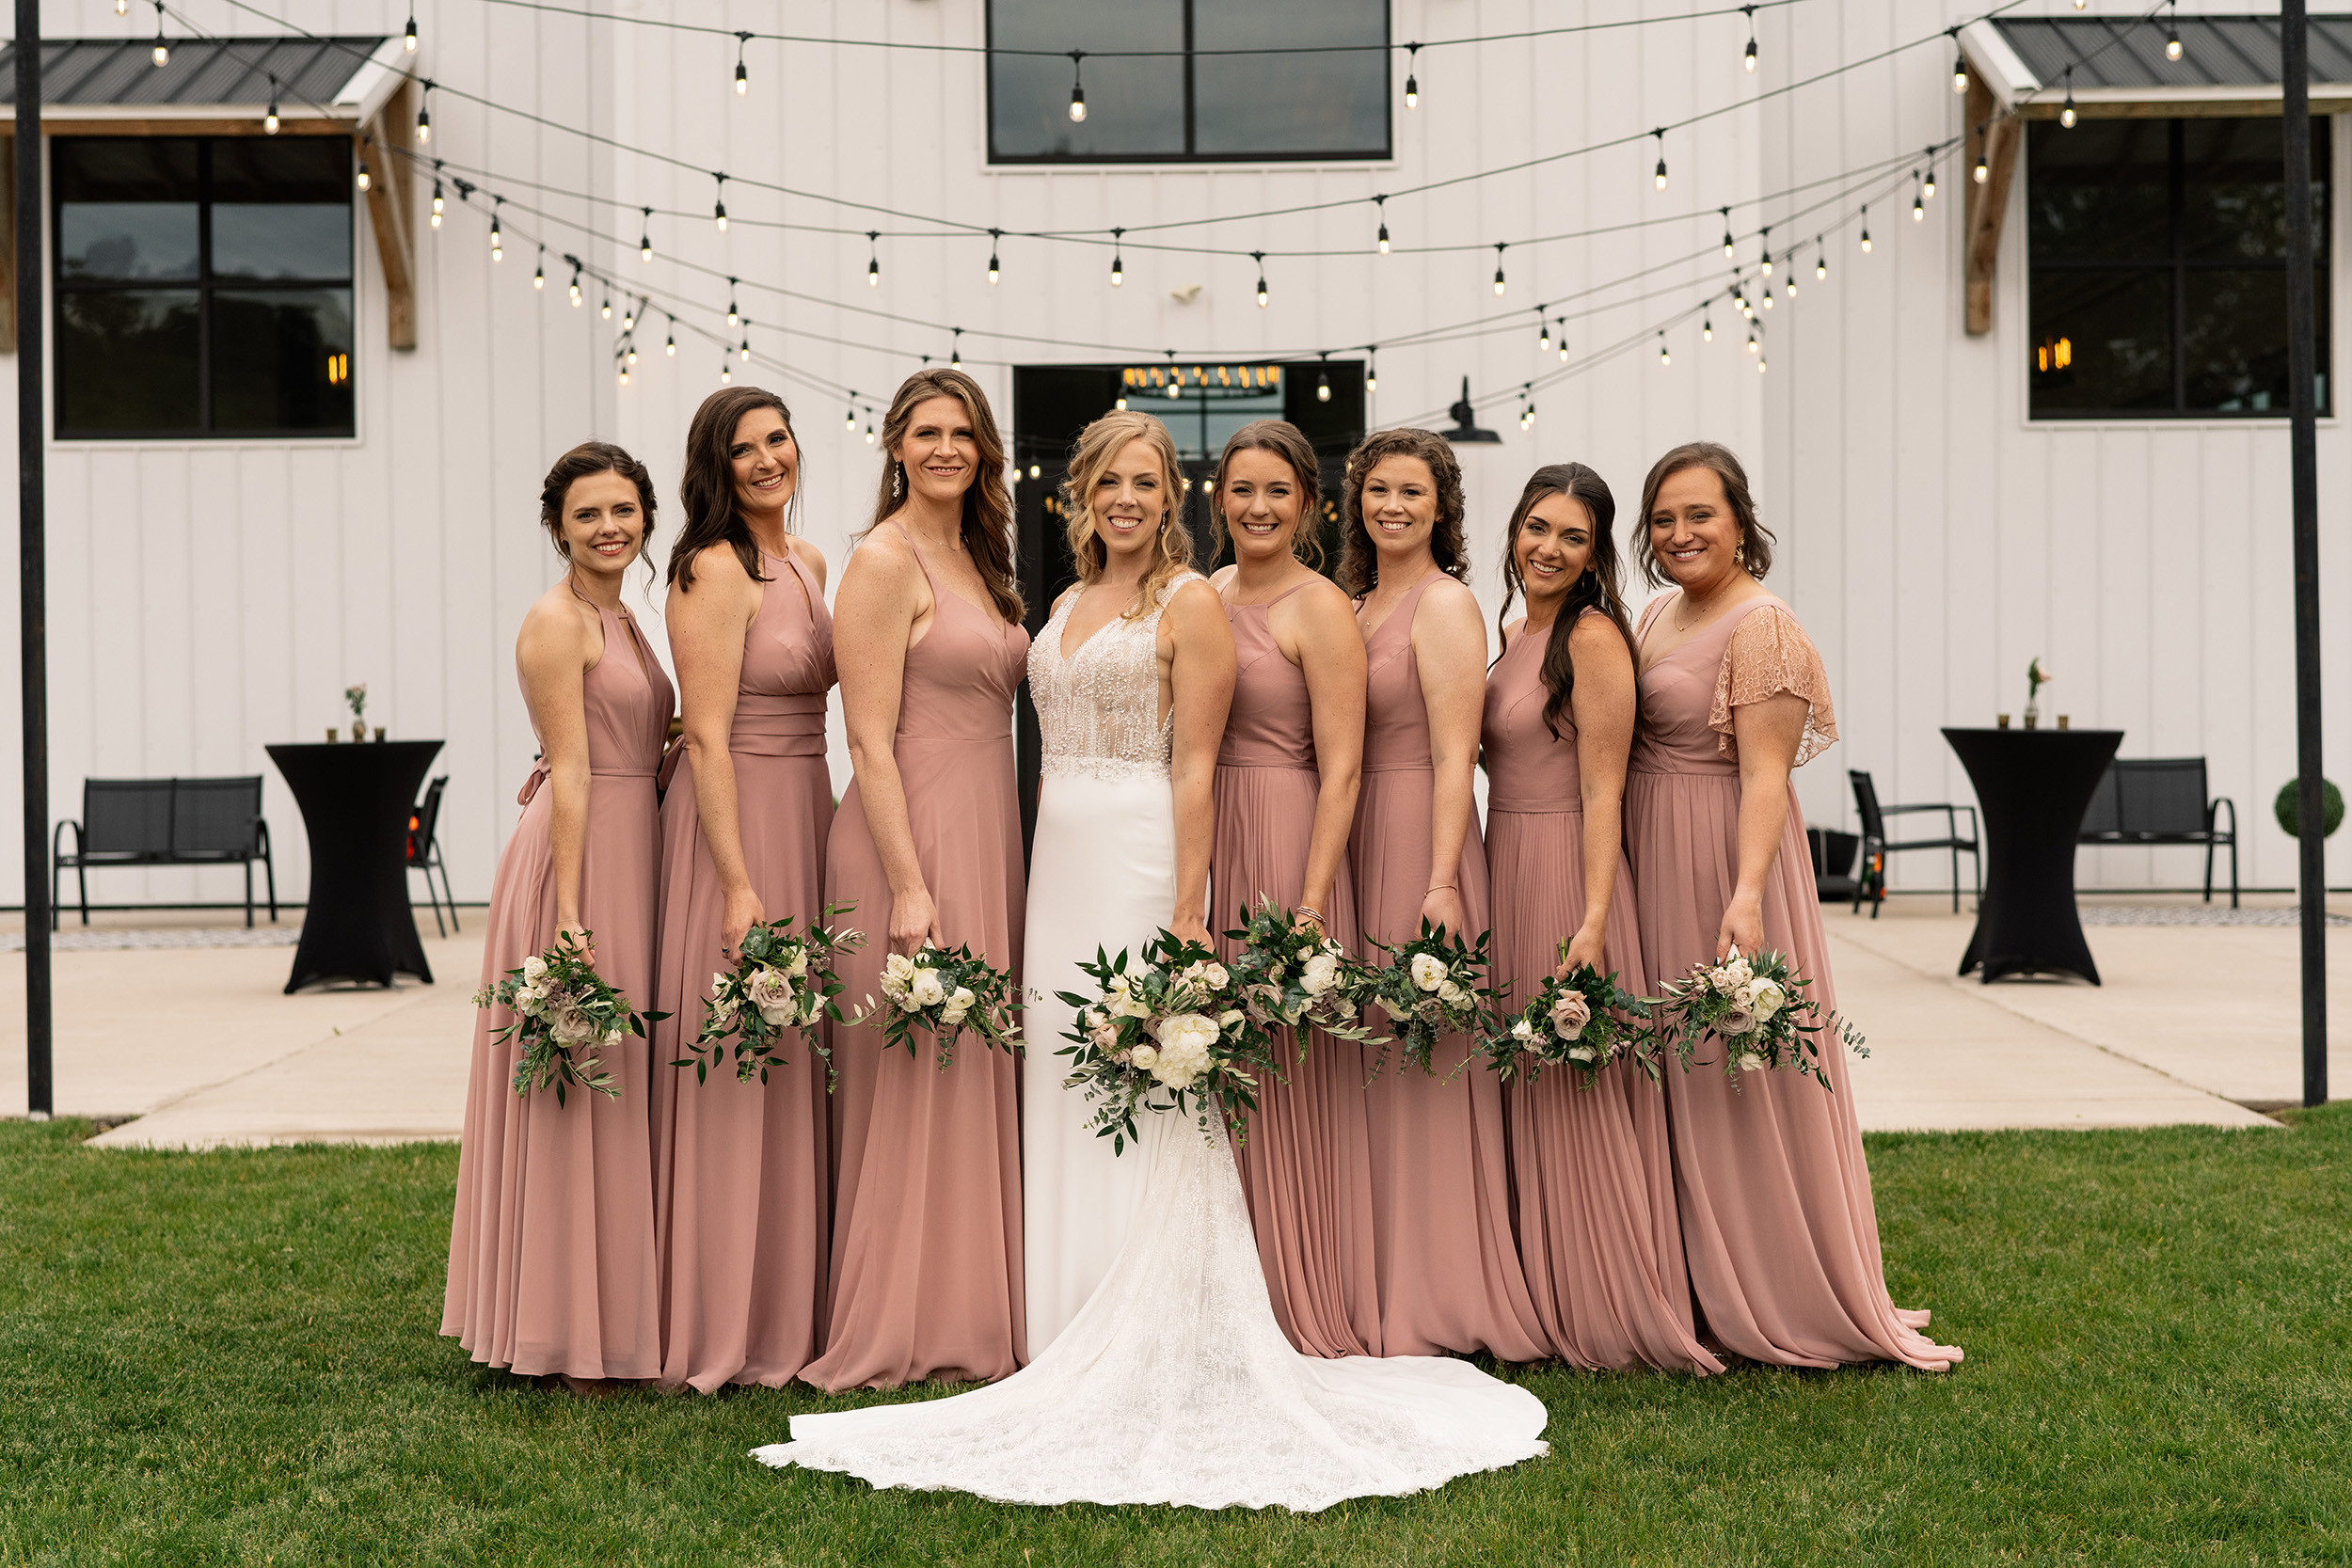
(1297, 978)
(563, 1014)
(948, 991)
(1165, 1033)
(1757, 1008)
(782, 981)
(1582, 1020)
(1433, 985)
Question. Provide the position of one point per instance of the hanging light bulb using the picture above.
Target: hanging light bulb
(1543, 330)
(1412, 83)
(1768, 254)
(955, 351)
(1731, 246)
(1660, 135)
(669, 344)
(1760, 366)
(992, 269)
(1791, 284)
(364, 181)
(1259, 257)
(607, 311)
(161, 53)
(1747, 61)
(539, 273)
(1866, 229)
(409, 38)
(1499, 268)
(2066, 112)
(576, 293)
(1371, 371)
(1077, 86)
(1764, 298)
(1983, 171)
(1563, 340)
(1959, 62)
(743, 350)
(628, 315)
(644, 237)
(1663, 357)
(1382, 203)
(425, 106)
(440, 201)
(873, 261)
(1927, 190)
(727, 371)
(1119, 267)
(2172, 31)
(870, 440)
(742, 77)
(122, 8)
(1753, 347)
(269, 120)
(1821, 261)
(719, 203)
(624, 376)
(1323, 383)
(633, 355)
(1707, 329)
(1918, 203)
(735, 317)
(498, 243)
(848, 416)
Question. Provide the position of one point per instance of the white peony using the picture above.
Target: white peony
(1751, 1062)
(1215, 974)
(927, 988)
(1142, 1057)
(1765, 998)
(1183, 1054)
(1451, 994)
(1428, 971)
(1321, 974)
(1230, 1019)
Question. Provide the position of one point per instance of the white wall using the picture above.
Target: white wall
(208, 598)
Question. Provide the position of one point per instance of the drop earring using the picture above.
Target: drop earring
(898, 480)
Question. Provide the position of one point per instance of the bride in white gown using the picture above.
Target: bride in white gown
(1171, 1382)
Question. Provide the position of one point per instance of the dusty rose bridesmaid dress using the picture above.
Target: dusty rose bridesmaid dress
(550, 1250)
(742, 1176)
(1777, 1222)
(1306, 1168)
(926, 1275)
(1590, 1167)
(1449, 1271)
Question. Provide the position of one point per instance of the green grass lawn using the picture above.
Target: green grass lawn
(231, 1358)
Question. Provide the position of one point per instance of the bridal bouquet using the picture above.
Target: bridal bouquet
(564, 1012)
(1173, 1026)
(1583, 1020)
(947, 991)
(1433, 985)
(1759, 1009)
(1295, 977)
(780, 981)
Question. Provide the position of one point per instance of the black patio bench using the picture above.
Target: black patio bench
(165, 822)
(2161, 801)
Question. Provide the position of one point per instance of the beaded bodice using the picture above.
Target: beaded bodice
(1098, 710)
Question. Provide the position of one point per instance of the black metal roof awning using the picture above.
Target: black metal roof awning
(2117, 65)
(338, 79)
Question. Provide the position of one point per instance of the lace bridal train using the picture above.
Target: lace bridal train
(1173, 1384)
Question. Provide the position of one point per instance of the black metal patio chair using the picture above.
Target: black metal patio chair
(1876, 846)
(425, 852)
(2161, 801)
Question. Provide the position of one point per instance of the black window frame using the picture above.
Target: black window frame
(1081, 160)
(204, 285)
(2176, 266)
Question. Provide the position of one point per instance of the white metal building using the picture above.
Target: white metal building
(236, 536)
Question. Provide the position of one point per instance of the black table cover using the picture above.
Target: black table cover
(2033, 786)
(356, 800)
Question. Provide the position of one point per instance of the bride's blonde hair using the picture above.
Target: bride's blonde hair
(1097, 445)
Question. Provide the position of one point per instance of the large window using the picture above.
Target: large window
(203, 286)
(1197, 90)
(2159, 267)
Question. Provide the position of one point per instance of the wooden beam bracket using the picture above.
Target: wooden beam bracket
(391, 212)
(1992, 136)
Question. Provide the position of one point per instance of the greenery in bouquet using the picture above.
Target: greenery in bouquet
(949, 992)
(563, 1013)
(1433, 985)
(782, 981)
(1164, 1035)
(1583, 1020)
(1759, 1009)
(1294, 976)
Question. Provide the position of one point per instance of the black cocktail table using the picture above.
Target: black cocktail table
(354, 802)
(2033, 786)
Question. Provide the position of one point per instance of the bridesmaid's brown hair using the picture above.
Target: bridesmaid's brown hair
(594, 457)
(706, 489)
(987, 528)
(1096, 446)
(1359, 566)
(1597, 589)
(1286, 441)
(1755, 540)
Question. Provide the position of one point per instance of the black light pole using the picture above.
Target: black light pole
(32, 564)
(2303, 449)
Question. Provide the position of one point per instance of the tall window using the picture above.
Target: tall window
(1198, 92)
(203, 286)
(2159, 271)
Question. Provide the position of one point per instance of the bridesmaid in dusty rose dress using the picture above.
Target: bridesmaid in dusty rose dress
(1777, 1220)
(1590, 1165)
(550, 1249)
(926, 1271)
(743, 1198)
(1449, 1271)
(1285, 791)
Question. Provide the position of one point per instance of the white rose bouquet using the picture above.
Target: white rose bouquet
(949, 992)
(781, 980)
(1433, 985)
(1582, 1020)
(1759, 1009)
(563, 1013)
(1297, 980)
(1164, 1035)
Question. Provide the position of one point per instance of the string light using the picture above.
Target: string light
(365, 181)
(498, 243)
(1918, 204)
(1412, 83)
(719, 203)
(607, 311)
(1077, 86)
(1929, 189)
(1035, 470)
(425, 104)
(1768, 252)
(870, 438)
(848, 416)
(744, 351)
(161, 53)
(644, 237)
(1664, 359)
(1498, 249)
(1866, 229)
(1372, 369)
(1175, 376)
(1959, 62)
(1323, 380)
(409, 38)
(628, 314)
(1731, 246)
(1563, 340)
(1791, 284)
(1764, 297)
(742, 77)
(440, 201)
(955, 351)
(1543, 330)
(735, 317)
(1760, 366)
(1660, 135)
(873, 259)
(1821, 261)
(2172, 30)
(122, 8)
(1119, 267)
(993, 235)
(1259, 257)
(539, 274)
(669, 344)
(2066, 114)
(1707, 329)
(1748, 60)
(576, 293)
(727, 371)
(1753, 347)
(269, 120)
(631, 357)
(1382, 203)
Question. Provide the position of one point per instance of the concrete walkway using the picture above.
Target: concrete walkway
(191, 1047)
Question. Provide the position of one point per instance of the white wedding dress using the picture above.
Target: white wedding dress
(1171, 1382)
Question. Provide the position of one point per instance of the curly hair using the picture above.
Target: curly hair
(1755, 540)
(586, 459)
(1359, 565)
(1597, 589)
(1097, 445)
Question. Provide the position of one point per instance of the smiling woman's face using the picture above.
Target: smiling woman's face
(1131, 499)
(1399, 504)
(1693, 531)
(604, 521)
(766, 463)
(1553, 547)
(941, 450)
(1260, 499)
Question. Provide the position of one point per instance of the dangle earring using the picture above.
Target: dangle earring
(898, 480)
